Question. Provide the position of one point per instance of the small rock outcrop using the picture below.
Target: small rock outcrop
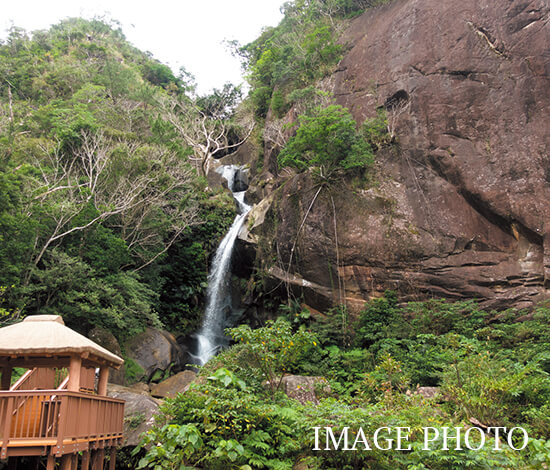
(303, 388)
(428, 392)
(170, 387)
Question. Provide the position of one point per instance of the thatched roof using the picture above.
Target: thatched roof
(47, 335)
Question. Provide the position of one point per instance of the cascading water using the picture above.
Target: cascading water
(218, 295)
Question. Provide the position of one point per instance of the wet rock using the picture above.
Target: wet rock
(170, 387)
(245, 155)
(240, 181)
(261, 186)
(215, 180)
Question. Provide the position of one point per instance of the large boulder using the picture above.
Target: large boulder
(139, 412)
(459, 208)
(154, 350)
(170, 387)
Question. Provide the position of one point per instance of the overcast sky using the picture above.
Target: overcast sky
(179, 33)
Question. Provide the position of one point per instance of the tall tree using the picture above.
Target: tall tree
(209, 125)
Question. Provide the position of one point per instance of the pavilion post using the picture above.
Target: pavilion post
(112, 459)
(74, 374)
(103, 379)
(85, 465)
(67, 462)
(6, 377)
(98, 458)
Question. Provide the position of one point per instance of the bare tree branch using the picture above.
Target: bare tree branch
(206, 133)
(150, 185)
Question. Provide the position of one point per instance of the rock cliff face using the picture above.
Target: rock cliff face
(460, 207)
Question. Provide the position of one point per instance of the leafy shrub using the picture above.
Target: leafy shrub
(438, 316)
(498, 392)
(71, 288)
(133, 421)
(328, 140)
(376, 319)
(334, 328)
(231, 428)
(302, 49)
(278, 104)
(388, 376)
(260, 98)
(133, 372)
(273, 349)
(375, 130)
(170, 446)
(243, 424)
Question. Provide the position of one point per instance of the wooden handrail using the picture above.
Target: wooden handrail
(22, 379)
(33, 379)
(63, 385)
(4, 393)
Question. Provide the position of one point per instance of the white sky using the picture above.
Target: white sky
(179, 33)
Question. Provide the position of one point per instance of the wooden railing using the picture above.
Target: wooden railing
(57, 418)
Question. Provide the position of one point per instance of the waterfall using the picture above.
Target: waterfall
(218, 295)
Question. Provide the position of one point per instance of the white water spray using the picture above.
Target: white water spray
(218, 295)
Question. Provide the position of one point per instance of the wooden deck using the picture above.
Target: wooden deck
(57, 422)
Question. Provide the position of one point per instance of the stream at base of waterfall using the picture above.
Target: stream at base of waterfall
(210, 338)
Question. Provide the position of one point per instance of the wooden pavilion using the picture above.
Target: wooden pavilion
(58, 412)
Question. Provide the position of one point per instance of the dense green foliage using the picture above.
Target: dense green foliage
(491, 369)
(327, 139)
(96, 188)
(6, 316)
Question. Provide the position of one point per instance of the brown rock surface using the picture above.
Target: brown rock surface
(154, 350)
(139, 411)
(460, 208)
(303, 388)
(428, 392)
(170, 387)
(140, 387)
